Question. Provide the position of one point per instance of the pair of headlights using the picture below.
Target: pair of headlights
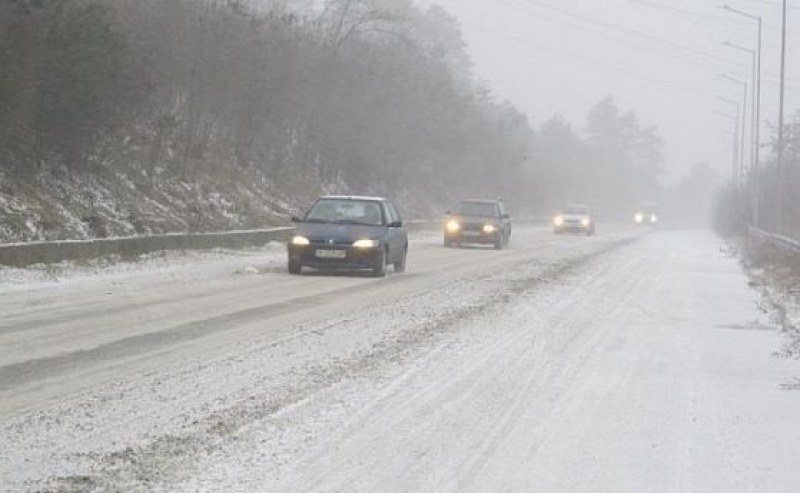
(639, 218)
(363, 243)
(559, 221)
(455, 227)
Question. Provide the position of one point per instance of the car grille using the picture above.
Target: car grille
(473, 227)
(324, 242)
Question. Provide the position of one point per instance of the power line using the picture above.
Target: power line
(693, 15)
(615, 69)
(723, 63)
(773, 4)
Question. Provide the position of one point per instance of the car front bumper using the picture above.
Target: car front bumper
(321, 257)
(573, 228)
(478, 237)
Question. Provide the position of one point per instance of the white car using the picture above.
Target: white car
(646, 215)
(574, 218)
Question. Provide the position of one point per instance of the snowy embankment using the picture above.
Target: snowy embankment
(55, 204)
(564, 364)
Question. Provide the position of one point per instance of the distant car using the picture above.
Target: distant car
(349, 233)
(574, 218)
(476, 221)
(646, 215)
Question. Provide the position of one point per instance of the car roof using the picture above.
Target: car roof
(354, 197)
(480, 201)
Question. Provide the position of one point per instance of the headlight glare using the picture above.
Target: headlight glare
(586, 222)
(453, 226)
(653, 219)
(489, 228)
(558, 220)
(639, 218)
(366, 243)
(300, 241)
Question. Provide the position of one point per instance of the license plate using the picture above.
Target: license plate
(331, 253)
(471, 233)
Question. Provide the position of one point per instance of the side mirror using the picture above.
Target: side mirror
(396, 224)
(296, 219)
(506, 216)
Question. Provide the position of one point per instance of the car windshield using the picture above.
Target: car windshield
(576, 210)
(477, 209)
(346, 211)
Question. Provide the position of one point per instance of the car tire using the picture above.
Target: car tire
(295, 267)
(498, 242)
(400, 265)
(379, 269)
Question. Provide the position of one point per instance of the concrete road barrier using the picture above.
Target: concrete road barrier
(48, 252)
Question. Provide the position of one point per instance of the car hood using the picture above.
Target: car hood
(575, 217)
(473, 218)
(332, 231)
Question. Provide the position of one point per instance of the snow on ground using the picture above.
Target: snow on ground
(609, 367)
(188, 264)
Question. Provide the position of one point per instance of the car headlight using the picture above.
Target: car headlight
(558, 220)
(586, 222)
(489, 228)
(300, 241)
(653, 219)
(452, 226)
(639, 218)
(366, 244)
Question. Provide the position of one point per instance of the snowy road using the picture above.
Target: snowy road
(620, 363)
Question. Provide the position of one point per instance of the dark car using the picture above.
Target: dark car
(477, 221)
(350, 233)
(574, 218)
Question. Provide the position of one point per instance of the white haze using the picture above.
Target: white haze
(661, 59)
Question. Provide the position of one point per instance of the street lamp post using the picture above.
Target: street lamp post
(736, 137)
(753, 103)
(744, 122)
(757, 117)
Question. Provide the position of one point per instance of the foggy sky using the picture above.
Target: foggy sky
(661, 59)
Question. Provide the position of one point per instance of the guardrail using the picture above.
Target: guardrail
(781, 241)
(50, 252)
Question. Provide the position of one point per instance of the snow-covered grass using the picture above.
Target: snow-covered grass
(57, 204)
(776, 274)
